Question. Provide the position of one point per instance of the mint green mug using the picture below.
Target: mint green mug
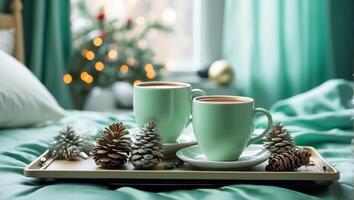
(169, 104)
(223, 125)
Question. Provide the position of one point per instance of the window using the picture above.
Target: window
(180, 49)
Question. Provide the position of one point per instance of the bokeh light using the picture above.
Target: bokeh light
(148, 67)
(84, 75)
(67, 78)
(124, 69)
(99, 66)
(89, 79)
(90, 55)
(140, 20)
(151, 74)
(112, 54)
(97, 41)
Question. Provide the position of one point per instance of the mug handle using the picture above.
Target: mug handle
(254, 139)
(195, 93)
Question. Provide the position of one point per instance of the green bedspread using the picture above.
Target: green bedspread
(320, 118)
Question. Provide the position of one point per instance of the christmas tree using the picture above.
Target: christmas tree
(108, 51)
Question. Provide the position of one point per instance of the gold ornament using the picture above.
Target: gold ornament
(221, 72)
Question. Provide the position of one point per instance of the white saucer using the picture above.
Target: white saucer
(186, 139)
(251, 156)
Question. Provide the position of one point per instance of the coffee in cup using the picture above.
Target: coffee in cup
(167, 103)
(223, 125)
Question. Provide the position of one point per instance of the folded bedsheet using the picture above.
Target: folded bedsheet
(319, 118)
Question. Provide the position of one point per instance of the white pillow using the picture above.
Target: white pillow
(23, 99)
(7, 40)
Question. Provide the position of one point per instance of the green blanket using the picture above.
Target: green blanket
(320, 118)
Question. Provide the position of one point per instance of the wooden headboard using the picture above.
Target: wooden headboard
(14, 20)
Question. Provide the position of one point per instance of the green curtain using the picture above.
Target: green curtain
(4, 6)
(281, 48)
(48, 44)
(342, 26)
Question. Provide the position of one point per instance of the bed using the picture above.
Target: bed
(319, 118)
(324, 122)
(13, 20)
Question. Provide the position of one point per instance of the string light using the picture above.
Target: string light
(89, 79)
(97, 41)
(136, 82)
(90, 55)
(140, 20)
(148, 67)
(84, 75)
(124, 69)
(112, 54)
(131, 61)
(99, 66)
(151, 74)
(67, 79)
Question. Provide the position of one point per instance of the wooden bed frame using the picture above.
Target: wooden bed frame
(14, 20)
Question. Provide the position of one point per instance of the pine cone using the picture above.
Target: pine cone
(147, 149)
(72, 153)
(278, 140)
(288, 160)
(67, 145)
(113, 147)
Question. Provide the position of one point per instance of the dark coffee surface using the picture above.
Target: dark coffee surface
(161, 85)
(223, 99)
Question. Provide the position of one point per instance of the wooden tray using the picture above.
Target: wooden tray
(319, 171)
